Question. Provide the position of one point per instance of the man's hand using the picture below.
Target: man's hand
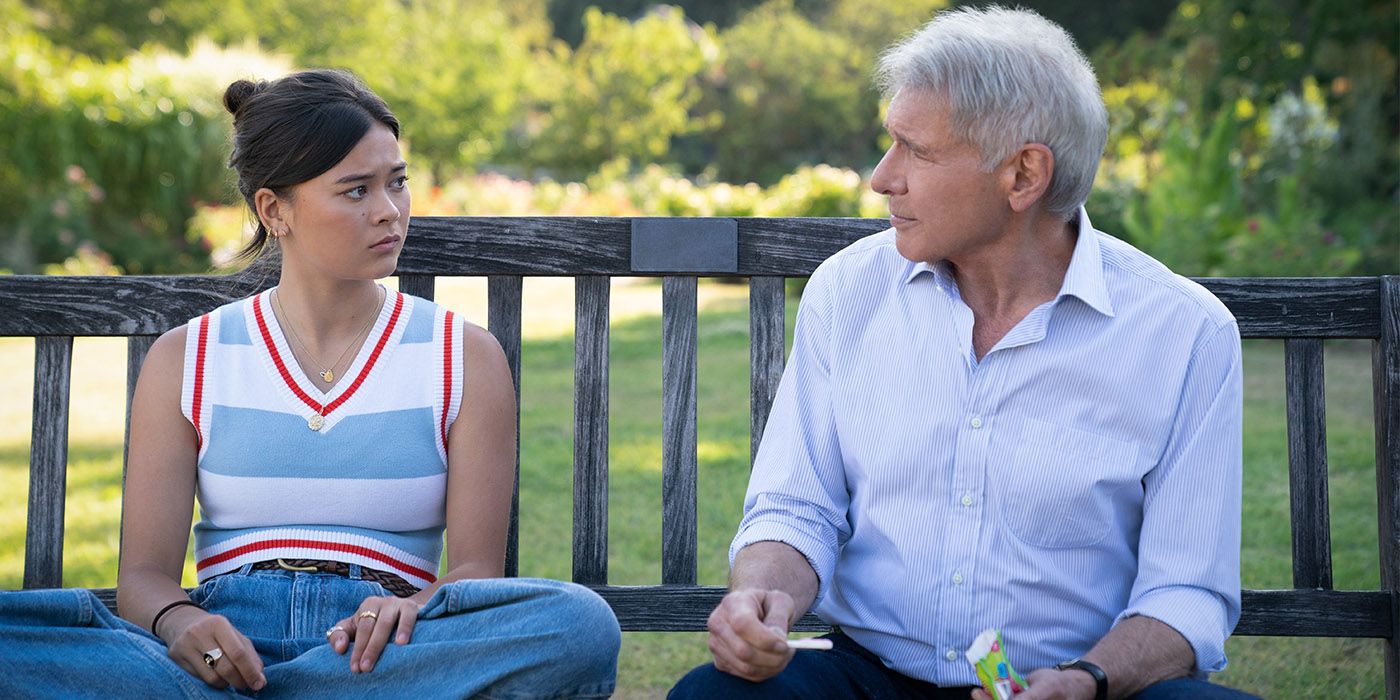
(193, 633)
(748, 633)
(1051, 684)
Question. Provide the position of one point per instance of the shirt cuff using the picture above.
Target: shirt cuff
(1197, 614)
(821, 556)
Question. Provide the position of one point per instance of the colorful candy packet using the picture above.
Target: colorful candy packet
(988, 656)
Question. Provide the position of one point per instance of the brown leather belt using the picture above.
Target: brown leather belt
(391, 582)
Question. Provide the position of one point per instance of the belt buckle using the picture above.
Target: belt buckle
(289, 567)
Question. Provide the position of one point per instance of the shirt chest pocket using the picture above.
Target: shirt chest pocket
(1060, 487)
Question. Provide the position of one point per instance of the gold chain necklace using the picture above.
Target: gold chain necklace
(327, 374)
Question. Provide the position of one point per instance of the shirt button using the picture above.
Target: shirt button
(976, 422)
(958, 579)
(967, 500)
(952, 655)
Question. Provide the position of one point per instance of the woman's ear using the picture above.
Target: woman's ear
(273, 211)
(1030, 170)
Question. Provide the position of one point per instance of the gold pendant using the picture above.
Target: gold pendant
(316, 421)
(328, 376)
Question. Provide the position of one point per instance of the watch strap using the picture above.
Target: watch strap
(1100, 678)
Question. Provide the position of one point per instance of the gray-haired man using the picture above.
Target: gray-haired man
(994, 416)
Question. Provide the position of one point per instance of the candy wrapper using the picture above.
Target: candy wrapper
(988, 656)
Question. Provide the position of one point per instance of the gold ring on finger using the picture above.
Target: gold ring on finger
(333, 630)
(370, 614)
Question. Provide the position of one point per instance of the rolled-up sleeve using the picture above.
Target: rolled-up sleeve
(1189, 548)
(797, 491)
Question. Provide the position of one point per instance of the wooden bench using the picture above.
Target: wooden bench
(1302, 312)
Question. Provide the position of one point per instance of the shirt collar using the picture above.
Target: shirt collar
(1083, 279)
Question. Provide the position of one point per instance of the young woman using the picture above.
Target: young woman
(332, 430)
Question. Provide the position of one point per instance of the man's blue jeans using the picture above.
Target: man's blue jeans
(852, 672)
(494, 638)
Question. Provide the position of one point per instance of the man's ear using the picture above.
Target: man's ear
(1029, 170)
(273, 212)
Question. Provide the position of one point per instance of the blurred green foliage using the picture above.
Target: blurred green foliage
(625, 92)
(112, 156)
(1248, 136)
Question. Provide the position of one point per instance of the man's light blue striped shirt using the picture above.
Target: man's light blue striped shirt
(1086, 469)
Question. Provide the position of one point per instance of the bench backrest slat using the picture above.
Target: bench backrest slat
(424, 286)
(503, 294)
(679, 463)
(1385, 382)
(767, 348)
(1307, 463)
(591, 303)
(48, 462)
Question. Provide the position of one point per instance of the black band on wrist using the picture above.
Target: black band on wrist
(156, 620)
(1100, 678)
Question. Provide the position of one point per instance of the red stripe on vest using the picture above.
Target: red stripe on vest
(287, 376)
(446, 375)
(199, 380)
(316, 544)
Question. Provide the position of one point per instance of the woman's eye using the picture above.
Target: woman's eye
(401, 182)
(358, 192)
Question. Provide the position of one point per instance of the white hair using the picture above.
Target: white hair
(1010, 77)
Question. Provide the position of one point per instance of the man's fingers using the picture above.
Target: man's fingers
(777, 612)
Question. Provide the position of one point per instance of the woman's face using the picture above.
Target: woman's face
(349, 223)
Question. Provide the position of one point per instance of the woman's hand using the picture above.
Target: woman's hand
(370, 628)
(193, 633)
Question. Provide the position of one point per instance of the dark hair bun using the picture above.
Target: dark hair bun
(238, 92)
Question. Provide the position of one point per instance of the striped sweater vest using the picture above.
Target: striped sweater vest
(368, 487)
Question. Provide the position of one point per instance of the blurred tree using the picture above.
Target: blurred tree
(791, 93)
(624, 93)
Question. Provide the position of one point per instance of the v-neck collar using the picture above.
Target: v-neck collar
(307, 399)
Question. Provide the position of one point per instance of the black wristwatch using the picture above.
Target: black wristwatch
(1100, 678)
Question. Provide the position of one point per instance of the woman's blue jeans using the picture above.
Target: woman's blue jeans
(492, 638)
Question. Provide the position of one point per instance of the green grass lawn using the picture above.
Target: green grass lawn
(1272, 667)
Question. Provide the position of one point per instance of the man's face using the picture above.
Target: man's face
(943, 204)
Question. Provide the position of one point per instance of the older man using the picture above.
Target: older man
(994, 416)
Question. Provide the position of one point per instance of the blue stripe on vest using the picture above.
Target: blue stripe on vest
(420, 325)
(392, 445)
(232, 330)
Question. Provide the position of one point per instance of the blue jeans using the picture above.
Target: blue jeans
(850, 672)
(493, 638)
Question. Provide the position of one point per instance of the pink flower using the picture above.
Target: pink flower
(75, 174)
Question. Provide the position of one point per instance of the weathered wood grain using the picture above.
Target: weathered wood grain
(679, 463)
(591, 301)
(48, 462)
(1346, 307)
(1385, 381)
(767, 338)
(1301, 307)
(1307, 463)
(103, 306)
(503, 296)
(424, 286)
